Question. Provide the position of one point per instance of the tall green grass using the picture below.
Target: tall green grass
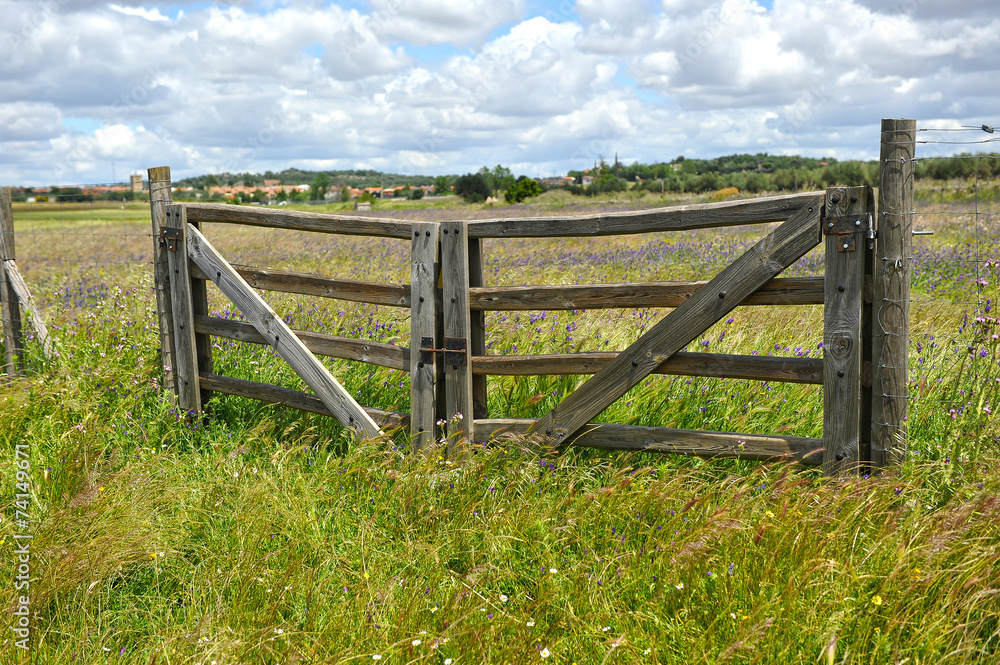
(263, 535)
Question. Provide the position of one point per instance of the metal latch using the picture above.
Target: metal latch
(170, 237)
(845, 226)
(455, 351)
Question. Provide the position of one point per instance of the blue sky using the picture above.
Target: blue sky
(446, 86)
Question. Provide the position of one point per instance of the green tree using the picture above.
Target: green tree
(320, 185)
(345, 193)
(442, 186)
(524, 188)
(416, 194)
(473, 187)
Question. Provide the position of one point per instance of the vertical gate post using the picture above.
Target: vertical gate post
(424, 274)
(12, 333)
(185, 345)
(459, 412)
(846, 226)
(159, 197)
(477, 327)
(893, 258)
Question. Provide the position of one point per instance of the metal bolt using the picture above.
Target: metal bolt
(421, 299)
(835, 198)
(722, 294)
(420, 366)
(428, 234)
(846, 245)
(840, 372)
(857, 223)
(635, 363)
(854, 199)
(829, 225)
(455, 230)
(445, 232)
(548, 432)
(840, 457)
(454, 366)
(841, 288)
(454, 299)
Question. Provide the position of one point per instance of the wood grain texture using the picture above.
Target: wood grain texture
(424, 272)
(457, 326)
(159, 197)
(12, 332)
(788, 291)
(203, 343)
(842, 334)
(182, 307)
(295, 220)
(259, 313)
(715, 365)
(893, 272)
(681, 326)
(674, 218)
(294, 399)
(332, 346)
(284, 281)
(27, 303)
(668, 440)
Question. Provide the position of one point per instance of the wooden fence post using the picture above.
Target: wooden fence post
(424, 275)
(477, 329)
(159, 198)
(893, 258)
(182, 307)
(845, 225)
(12, 333)
(459, 413)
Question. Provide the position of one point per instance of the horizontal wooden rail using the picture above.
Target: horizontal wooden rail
(674, 218)
(715, 365)
(295, 399)
(294, 220)
(668, 440)
(779, 291)
(374, 293)
(373, 353)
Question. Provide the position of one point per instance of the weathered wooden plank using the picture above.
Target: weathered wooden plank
(27, 302)
(12, 333)
(182, 308)
(477, 329)
(294, 399)
(682, 325)
(333, 346)
(713, 365)
(893, 268)
(845, 263)
(295, 220)
(259, 313)
(675, 218)
(375, 293)
(780, 291)
(203, 343)
(159, 197)
(424, 274)
(668, 440)
(867, 327)
(457, 332)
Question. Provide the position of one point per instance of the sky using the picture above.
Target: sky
(91, 91)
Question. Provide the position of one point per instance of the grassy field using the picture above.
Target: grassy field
(264, 535)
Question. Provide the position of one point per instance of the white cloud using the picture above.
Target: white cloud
(233, 85)
(148, 14)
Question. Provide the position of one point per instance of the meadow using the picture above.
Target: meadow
(265, 535)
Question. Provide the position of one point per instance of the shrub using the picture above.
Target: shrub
(524, 188)
(473, 188)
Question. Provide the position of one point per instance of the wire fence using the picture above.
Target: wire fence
(954, 383)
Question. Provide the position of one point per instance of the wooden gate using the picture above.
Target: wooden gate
(447, 359)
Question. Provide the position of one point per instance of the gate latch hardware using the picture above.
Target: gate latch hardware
(455, 351)
(845, 226)
(170, 237)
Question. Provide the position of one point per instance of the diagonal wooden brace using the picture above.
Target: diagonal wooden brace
(784, 246)
(279, 335)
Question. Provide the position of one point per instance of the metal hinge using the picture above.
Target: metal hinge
(170, 237)
(456, 351)
(845, 226)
